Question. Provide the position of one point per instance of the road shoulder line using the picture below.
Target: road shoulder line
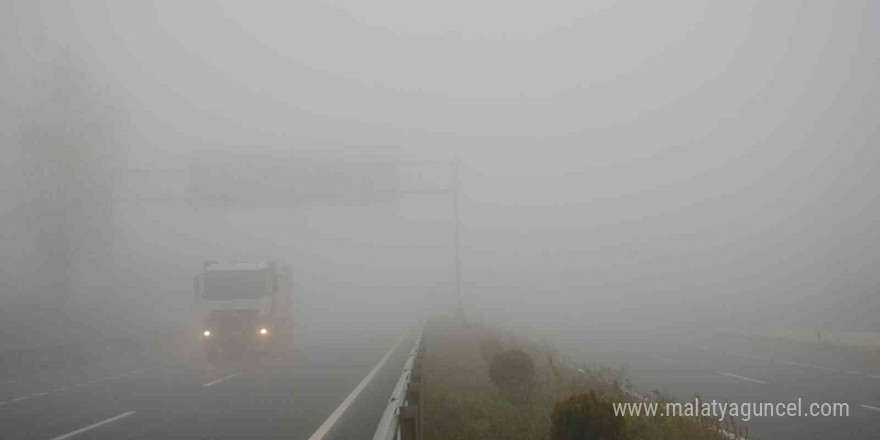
(325, 427)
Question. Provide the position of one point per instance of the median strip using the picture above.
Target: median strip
(490, 381)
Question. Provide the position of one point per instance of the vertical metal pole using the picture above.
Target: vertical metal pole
(457, 244)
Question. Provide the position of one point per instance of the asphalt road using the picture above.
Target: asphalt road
(137, 395)
(735, 369)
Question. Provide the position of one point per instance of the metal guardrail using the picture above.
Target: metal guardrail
(402, 417)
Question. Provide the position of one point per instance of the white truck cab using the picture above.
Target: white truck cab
(245, 306)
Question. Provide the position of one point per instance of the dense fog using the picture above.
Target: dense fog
(619, 163)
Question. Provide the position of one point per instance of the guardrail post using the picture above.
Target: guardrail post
(417, 373)
(414, 398)
(413, 393)
(408, 420)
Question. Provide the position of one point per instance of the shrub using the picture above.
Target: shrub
(586, 416)
(513, 372)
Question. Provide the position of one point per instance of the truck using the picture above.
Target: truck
(244, 308)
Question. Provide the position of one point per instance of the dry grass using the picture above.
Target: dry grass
(461, 403)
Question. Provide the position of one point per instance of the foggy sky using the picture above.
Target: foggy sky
(620, 160)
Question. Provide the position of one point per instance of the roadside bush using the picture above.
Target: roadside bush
(513, 372)
(586, 416)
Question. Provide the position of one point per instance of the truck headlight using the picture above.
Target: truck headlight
(264, 331)
(207, 333)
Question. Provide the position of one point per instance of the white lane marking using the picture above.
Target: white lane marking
(93, 426)
(325, 427)
(57, 390)
(779, 361)
(737, 376)
(105, 379)
(142, 370)
(222, 379)
(874, 376)
(870, 407)
(801, 364)
(750, 356)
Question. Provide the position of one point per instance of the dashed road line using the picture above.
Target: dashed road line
(873, 376)
(870, 407)
(737, 376)
(750, 356)
(94, 381)
(143, 370)
(93, 426)
(222, 379)
(105, 379)
(799, 364)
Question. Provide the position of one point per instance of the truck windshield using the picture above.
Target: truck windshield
(235, 284)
